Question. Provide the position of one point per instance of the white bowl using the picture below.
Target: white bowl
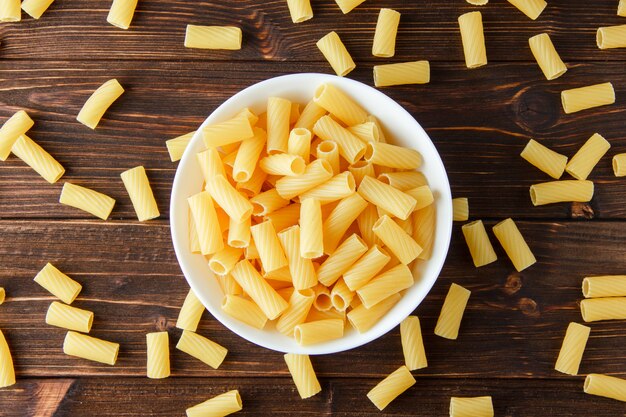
(300, 88)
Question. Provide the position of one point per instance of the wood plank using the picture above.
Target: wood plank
(479, 144)
(339, 397)
(428, 30)
(513, 326)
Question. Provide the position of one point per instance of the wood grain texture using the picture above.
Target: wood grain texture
(479, 143)
(428, 30)
(513, 326)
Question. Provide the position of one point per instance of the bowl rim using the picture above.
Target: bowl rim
(378, 330)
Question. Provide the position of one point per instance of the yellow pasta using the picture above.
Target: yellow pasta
(336, 54)
(258, 289)
(316, 173)
(545, 159)
(93, 202)
(347, 6)
(228, 285)
(190, 313)
(207, 225)
(91, 348)
(621, 8)
(248, 156)
(58, 284)
(99, 102)
(611, 37)
(351, 148)
(414, 72)
(587, 157)
(423, 195)
(339, 104)
(213, 37)
(610, 308)
(38, 159)
(384, 285)
(10, 11)
(366, 268)
(341, 296)
(244, 310)
(471, 407)
(403, 180)
(340, 219)
(300, 10)
(278, 110)
(219, 406)
(401, 244)
(619, 165)
(201, 348)
(239, 234)
(412, 344)
(460, 209)
(194, 240)
(267, 202)
(477, 2)
(36, 8)
(312, 113)
(158, 352)
(121, 13)
(68, 317)
(367, 132)
(229, 199)
(471, 26)
(424, 230)
(452, 312)
(136, 182)
(547, 57)
(283, 164)
(572, 350)
(253, 186)
(16, 126)
(360, 170)
(285, 217)
(606, 386)
(338, 187)
(329, 150)
(386, 197)
(322, 301)
(363, 319)
(561, 191)
(301, 268)
(478, 243)
(385, 34)
(222, 262)
(176, 147)
(340, 260)
(319, 331)
(604, 286)
(2, 295)
(7, 372)
(391, 387)
(392, 156)
(299, 143)
(230, 131)
(311, 236)
(303, 375)
(514, 244)
(210, 164)
(270, 251)
(584, 98)
(531, 8)
(300, 302)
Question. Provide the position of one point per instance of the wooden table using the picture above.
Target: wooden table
(479, 120)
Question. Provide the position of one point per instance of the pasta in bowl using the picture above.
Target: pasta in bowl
(311, 214)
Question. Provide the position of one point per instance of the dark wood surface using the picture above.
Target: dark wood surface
(479, 120)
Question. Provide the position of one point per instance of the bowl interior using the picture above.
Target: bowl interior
(398, 124)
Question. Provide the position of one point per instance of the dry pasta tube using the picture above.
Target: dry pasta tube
(58, 284)
(460, 209)
(121, 13)
(301, 269)
(514, 244)
(392, 156)
(93, 202)
(228, 285)
(303, 375)
(2, 295)
(299, 143)
(201, 348)
(230, 131)
(572, 349)
(397, 241)
(278, 112)
(336, 54)
(414, 72)
(471, 407)
(621, 8)
(11, 130)
(367, 131)
(316, 173)
(176, 147)
(478, 243)
(561, 191)
(300, 10)
(341, 259)
(478, 2)
(347, 6)
(604, 286)
(531, 8)
(229, 199)
(403, 180)
(210, 163)
(38, 159)
(391, 387)
(360, 170)
(270, 251)
(363, 319)
(158, 351)
(412, 344)
(206, 221)
(584, 98)
(311, 237)
(606, 386)
(319, 331)
(339, 104)
(244, 310)
(366, 268)
(300, 302)
(341, 296)
(596, 309)
(587, 157)
(386, 197)
(452, 312)
(267, 202)
(423, 195)
(213, 37)
(337, 223)
(547, 57)
(424, 230)
(222, 262)
(221, 405)
(248, 155)
(471, 26)
(68, 317)
(7, 372)
(385, 34)
(98, 103)
(387, 283)
(338, 187)
(545, 159)
(190, 313)
(351, 148)
(329, 150)
(138, 188)
(311, 114)
(91, 348)
(611, 37)
(10, 11)
(35, 8)
(619, 165)
(258, 289)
